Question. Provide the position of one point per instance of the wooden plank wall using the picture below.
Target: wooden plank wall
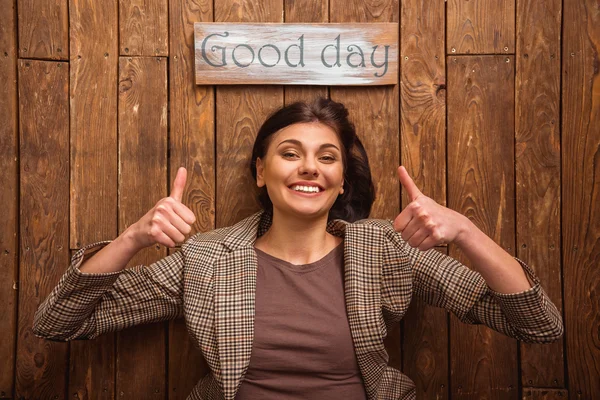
(497, 115)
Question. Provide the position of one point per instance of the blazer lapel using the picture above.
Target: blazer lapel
(235, 288)
(363, 260)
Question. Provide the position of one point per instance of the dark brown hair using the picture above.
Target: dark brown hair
(359, 193)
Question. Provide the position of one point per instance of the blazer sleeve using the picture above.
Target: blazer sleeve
(442, 281)
(85, 305)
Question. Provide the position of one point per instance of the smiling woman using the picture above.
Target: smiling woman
(294, 302)
(305, 161)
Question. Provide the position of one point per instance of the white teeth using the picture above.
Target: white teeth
(308, 189)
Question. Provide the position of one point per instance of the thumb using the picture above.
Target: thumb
(179, 184)
(408, 184)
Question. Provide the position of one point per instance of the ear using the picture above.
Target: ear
(342, 187)
(260, 182)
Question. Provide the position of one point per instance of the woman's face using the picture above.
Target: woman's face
(302, 170)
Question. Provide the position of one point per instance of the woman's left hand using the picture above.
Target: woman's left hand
(425, 223)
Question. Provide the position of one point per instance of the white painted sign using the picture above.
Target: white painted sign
(296, 54)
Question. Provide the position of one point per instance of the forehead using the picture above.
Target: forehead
(309, 134)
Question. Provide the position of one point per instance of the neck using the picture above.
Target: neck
(298, 240)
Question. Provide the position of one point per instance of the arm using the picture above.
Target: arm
(499, 293)
(84, 305)
(442, 281)
(112, 257)
(101, 296)
(502, 272)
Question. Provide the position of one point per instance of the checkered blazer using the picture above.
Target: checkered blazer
(211, 282)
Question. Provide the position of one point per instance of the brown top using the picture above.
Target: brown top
(302, 346)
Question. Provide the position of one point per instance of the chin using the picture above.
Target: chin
(305, 212)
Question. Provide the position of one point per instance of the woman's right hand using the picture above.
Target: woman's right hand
(168, 222)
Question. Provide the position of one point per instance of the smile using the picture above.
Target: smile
(309, 190)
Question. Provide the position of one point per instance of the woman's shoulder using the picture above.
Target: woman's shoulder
(377, 223)
(215, 235)
(245, 228)
(373, 229)
(384, 228)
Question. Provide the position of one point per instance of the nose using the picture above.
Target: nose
(308, 167)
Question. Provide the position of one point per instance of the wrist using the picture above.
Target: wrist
(128, 240)
(465, 231)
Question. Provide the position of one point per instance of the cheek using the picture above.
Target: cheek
(336, 175)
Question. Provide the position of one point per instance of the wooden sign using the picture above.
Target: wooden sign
(296, 54)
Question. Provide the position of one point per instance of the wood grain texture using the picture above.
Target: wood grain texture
(9, 196)
(142, 183)
(363, 11)
(545, 394)
(43, 29)
(580, 161)
(482, 27)
(44, 229)
(143, 27)
(537, 140)
(297, 54)
(249, 11)
(306, 10)
(191, 144)
(94, 62)
(425, 347)
(241, 110)
(481, 187)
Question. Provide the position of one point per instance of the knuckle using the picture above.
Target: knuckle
(423, 216)
(415, 206)
(436, 235)
(154, 231)
(431, 227)
(161, 208)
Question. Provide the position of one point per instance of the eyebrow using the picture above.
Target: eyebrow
(298, 143)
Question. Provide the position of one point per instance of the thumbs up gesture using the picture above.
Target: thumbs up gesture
(425, 223)
(168, 221)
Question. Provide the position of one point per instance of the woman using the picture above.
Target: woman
(295, 301)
